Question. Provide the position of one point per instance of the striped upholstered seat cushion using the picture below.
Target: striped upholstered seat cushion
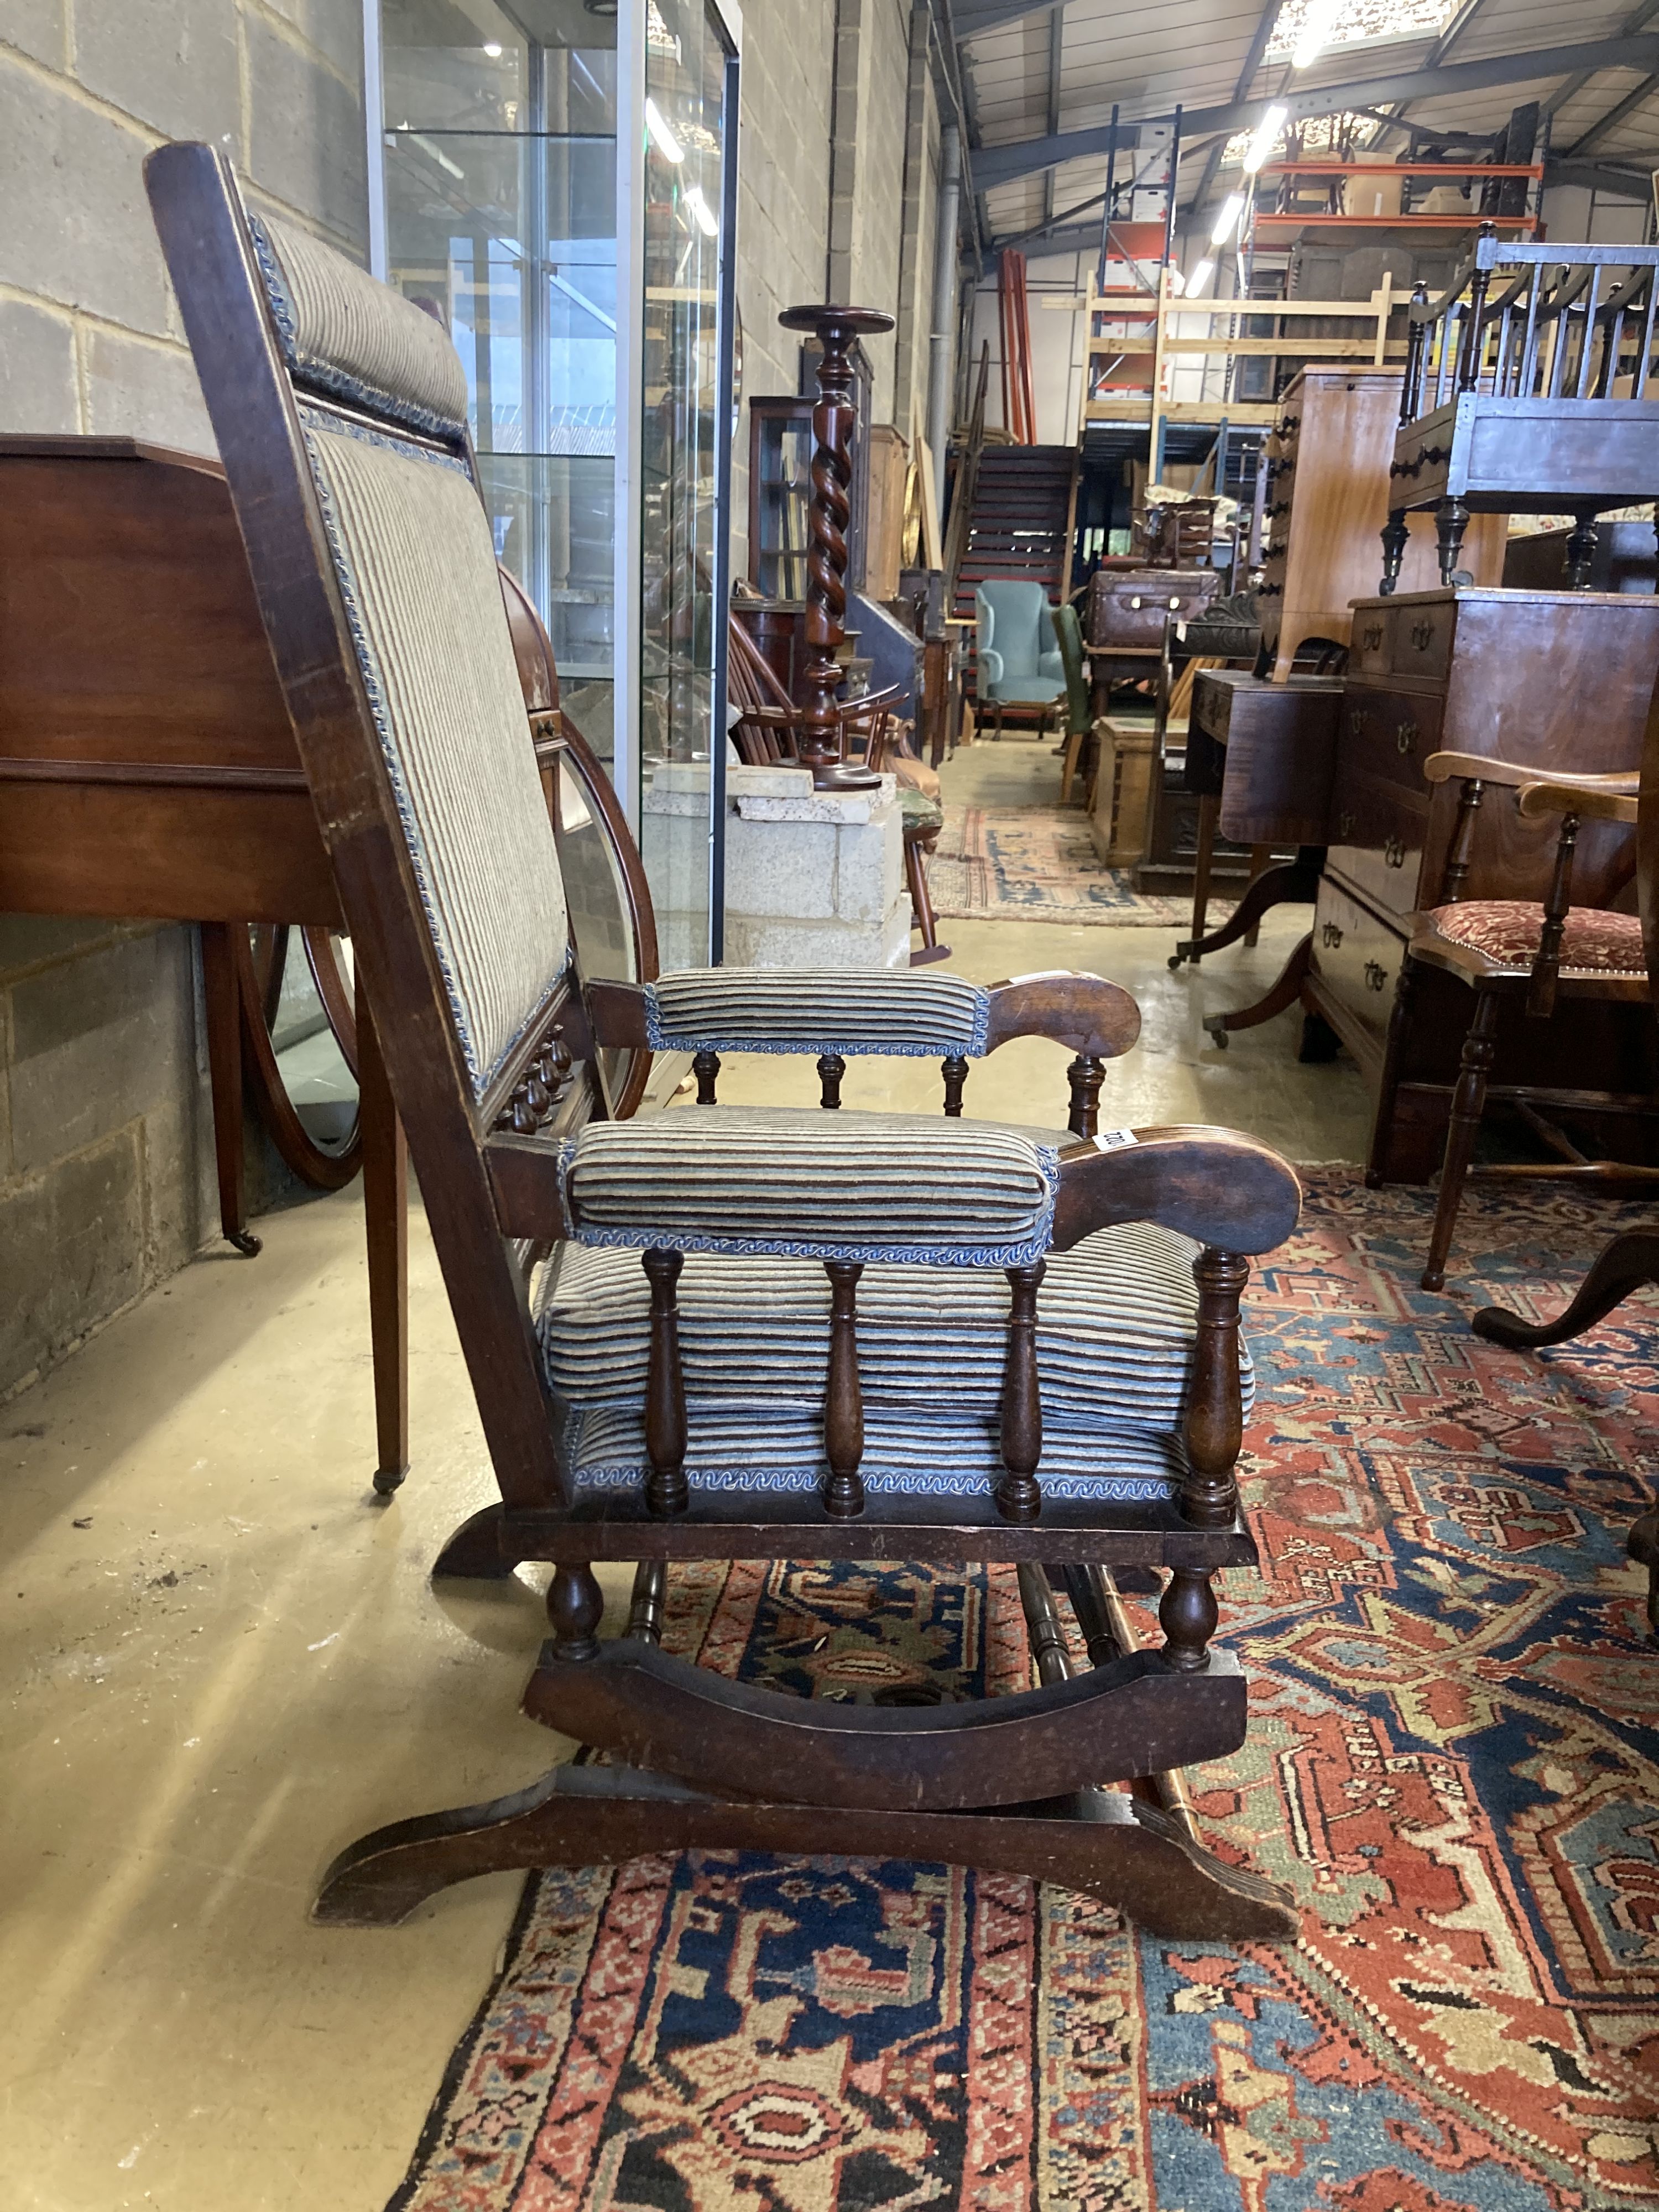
(866, 1187)
(346, 335)
(1116, 1319)
(906, 1012)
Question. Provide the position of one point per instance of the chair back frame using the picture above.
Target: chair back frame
(249, 398)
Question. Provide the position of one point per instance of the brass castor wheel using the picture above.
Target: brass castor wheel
(247, 1243)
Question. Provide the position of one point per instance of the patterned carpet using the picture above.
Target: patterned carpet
(1038, 864)
(1453, 1761)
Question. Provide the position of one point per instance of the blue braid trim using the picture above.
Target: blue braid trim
(338, 426)
(322, 375)
(1124, 1488)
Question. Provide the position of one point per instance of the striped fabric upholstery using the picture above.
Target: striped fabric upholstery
(815, 1185)
(1117, 1320)
(344, 333)
(412, 548)
(904, 1013)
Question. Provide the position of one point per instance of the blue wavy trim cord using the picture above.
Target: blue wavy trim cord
(1125, 1488)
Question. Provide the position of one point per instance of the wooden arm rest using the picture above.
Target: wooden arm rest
(1095, 1017)
(1221, 1188)
(1598, 799)
(1441, 768)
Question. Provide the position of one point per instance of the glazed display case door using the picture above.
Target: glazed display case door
(676, 335)
(493, 202)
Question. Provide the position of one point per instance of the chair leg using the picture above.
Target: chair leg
(1068, 766)
(921, 905)
(1468, 1102)
(224, 1037)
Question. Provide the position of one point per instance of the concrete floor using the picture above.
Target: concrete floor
(225, 1660)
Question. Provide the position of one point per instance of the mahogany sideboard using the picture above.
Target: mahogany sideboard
(1555, 678)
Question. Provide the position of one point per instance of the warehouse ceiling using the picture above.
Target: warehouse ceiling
(1038, 86)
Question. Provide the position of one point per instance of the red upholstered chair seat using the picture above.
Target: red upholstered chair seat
(1596, 942)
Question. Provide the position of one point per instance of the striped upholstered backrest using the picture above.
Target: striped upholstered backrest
(416, 567)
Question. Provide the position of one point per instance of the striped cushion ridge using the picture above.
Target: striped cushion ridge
(869, 1186)
(945, 1456)
(900, 1014)
(344, 333)
(1116, 1318)
(416, 566)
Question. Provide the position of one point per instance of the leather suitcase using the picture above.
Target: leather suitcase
(1128, 607)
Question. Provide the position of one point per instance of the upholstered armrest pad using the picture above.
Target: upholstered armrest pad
(909, 1013)
(887, 1187)
(990, 664)
(1052, 664)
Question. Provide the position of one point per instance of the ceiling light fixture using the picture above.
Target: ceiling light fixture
(1266, 138)
(1314, 35)
(1201, 276)
(663, 139)
(701, 208)
(1227, 221)
(493, 48)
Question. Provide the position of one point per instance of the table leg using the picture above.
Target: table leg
(224, 1041)
(1259, 856)
(385, 1215)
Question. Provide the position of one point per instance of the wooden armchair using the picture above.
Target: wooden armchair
(716, 1361)
(1511, 950)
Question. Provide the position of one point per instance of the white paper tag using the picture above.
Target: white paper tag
(1113, 1141)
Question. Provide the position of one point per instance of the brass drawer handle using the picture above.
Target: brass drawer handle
(1393, 853)
(1331, 935)
(1358, 719)
(1375, 976)
(1405, 739)
(1422, 636)
(1345, 825)
(1372, 638)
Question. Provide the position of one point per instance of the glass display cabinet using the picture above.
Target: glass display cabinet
(555, 179)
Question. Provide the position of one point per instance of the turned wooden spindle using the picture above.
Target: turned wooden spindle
(1019, 1495)
(835, 419)
(1578, 555)
(955, 1071)
(1546, 962)
(1043, 1632)
(645, 1609)
(1462, 844)
(1188, 1618)
(706, 1067)
(1215, 1414)
(1085, 1077)
(666, 1490)
(831, 1068)
(575, 1605)
(843, 1404)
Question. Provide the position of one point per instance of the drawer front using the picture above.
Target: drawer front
(1212, 704)
(1403, 638)
(1390, 734)
(1380, 832)
(1367, 655)
(1125, 608)
(1358, 956)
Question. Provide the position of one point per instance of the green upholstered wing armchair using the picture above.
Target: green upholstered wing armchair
(693, 1335)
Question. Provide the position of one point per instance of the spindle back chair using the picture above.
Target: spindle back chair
(641, 1393)
(1536, 397)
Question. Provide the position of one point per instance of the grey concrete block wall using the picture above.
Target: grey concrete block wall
(105, 1136)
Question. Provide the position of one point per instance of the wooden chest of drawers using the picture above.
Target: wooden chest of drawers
(1328, 500)
(1557, 678)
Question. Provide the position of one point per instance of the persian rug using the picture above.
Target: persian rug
(1039, 864)
(1452, 1761)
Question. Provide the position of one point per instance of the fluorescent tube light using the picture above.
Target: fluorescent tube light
(1201, 276)
(1313, 37)
(1267, 135)
(667, 143)
(1227, 221)
(701, 208)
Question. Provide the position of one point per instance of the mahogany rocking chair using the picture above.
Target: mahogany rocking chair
(641, 1389)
